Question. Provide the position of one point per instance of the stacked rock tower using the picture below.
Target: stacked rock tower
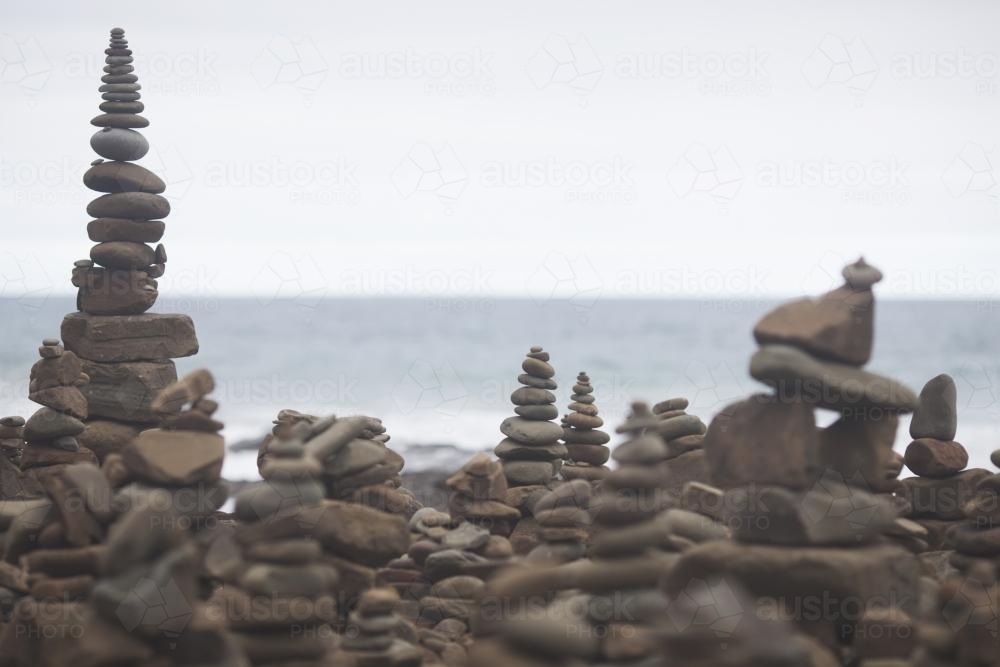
(125, 351)
(531, 452)
(585, 443)
(805, 520)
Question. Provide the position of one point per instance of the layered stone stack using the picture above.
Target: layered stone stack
(531, 453)
(563, 518)
(125, 351)
(936, 498)
(627, 556)
(805, 521)
(959, 629)
(184, 456)
(586, 451)
(479, 493)
(52, 432)
(283, 429)
(372, 634)
(11, 444)
(281, 567)
(976, 541)
(684, 435)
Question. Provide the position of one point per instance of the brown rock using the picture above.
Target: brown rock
(928, 457)
(69, 400)
(113, 292)
(60, 371)
(125, 391)
(118, 229)
(361, 533)
(189, 389)
(762, 440)
(858, 447)
(943, 498)
(129, 338)
(105, 437)
(178, 458)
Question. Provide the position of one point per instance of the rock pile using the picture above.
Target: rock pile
(372, 634)
(531, 452)
(478, 495)
(684, 435)
(11, 444)
(799, 499)
(124, 350)
(937, 498)
(586, 451)
(282, 592)
(563, 518)
(960, 625)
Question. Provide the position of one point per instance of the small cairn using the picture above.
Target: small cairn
(531, 451)
(564, 520)
(282, 567)
(372, 634)
(478, 494)
(183, 457)
(976, 541)
(11, 444)
(124, 350)
(684, 435)
(586, 450)
(805, 522)
(51, 433)
(959, 627)
(937, 497)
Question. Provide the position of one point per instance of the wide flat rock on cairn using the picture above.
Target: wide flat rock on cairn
(478, 493)
(586, 450)
(811, 509)
(684, 435)
(125, 351)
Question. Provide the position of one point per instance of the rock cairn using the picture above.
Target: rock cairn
(478, 495)
(52, 432)
(11, 444)
(937, 497)
(799, 499)
(531, 451)
(124, 350)
(563, 518)
(372, 634)
(281, 566)
(684, 435)
(586, 450)
(959, 627)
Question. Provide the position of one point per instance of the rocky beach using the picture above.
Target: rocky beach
(818, 511)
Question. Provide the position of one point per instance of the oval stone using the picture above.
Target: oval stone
(117, 229)
(531, 432)
(122, 107)
(119, 78)
(119, 69)
(122, 177)
(121, 97)
(130, 205)
(537, 412)
(118, 60)
(122, 255)
(116, 143)
(532, 396)
(538, 368)
(120, 88)
(122, 120)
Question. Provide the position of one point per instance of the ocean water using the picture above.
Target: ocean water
(439, 372)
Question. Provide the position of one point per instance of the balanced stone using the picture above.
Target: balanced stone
(113, 177)
(125, 121)
(936, 417)
(175, 457)
(929, 457)
(118, 229)
(122, 255)
(119, 144)
(129, 205)
(122, 107)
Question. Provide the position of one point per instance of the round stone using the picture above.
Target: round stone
(122, 177)
(532, 396)
(129, 205)
(121, 97)
(579, 420)
(586, 437)
(120, 88)
(531, 432)
(928, 457)
(524, 473)
(122, 107)
(512, 449)
(122, 255)
(537, 412)
(119, 78)
(538, 368)
(119, 69)
(937, 416)
(532, 381)
(861, 275)
(118, 60)
(125, 121)
(115, 143)
(592, 454)
(117, 229)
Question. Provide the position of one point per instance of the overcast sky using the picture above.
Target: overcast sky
(658, 148)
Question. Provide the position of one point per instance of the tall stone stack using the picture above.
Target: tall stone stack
(806, 524)
(125, 351)
(282, 567)
(478, 493)
(936, 498)
(531, 452)
(684, 435)
(586, 450)
(976, 541)
(372, 635)
(563, 518)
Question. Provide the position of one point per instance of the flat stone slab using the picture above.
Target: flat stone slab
(125, 391)
(114, 338)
